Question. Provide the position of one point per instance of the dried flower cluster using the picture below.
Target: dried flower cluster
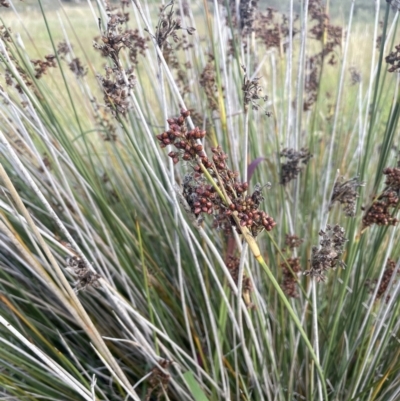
(392, 178)
(118, 82)
(203, 197)
(103, 121)
(323, 27)
(386, 278)
(251, 91)
(5, 35)
(114, 39)
(289, 281)
(393, 59)
(355, 76)
(291, 267)
(168, 26)
(291, 169)
(247, 13)
(41, 66)
(331, 37)
(63, 48)
(380, 212)
(116, 86)
(76, 66)
(345, 192)
(158, 380)
(208, 82)
(179, 69)
(328, 255)
(293, 241)
(137, 45)
(86, 277)
(311, 82)
(273, 29)
(4, 3)
(233, 264)
(395, 4)
(46, 162)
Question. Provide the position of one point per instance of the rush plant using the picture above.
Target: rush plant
(199, 201)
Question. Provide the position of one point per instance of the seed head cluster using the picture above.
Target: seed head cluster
(116, 86)
(158, 380)
(331, 37)
(355, 76)
(381, 210)
(293, 241)
(273, 29)
(291, 169)
(233, 264)
(289, 281)
(5, 35)
(63, 49)
(203, 197)
(291, 266)
(168, 26)
(178, 67)
(247, 13)
(137, 45)
(393, 59)
(41, 66)
(86, 276)
(392, 178)
(251, 91)
(104, 122)
(345, 192)
(118, 82)
(75, 65)
(328, 255)
(114, 39)
(208, 81)
(395, 4)
(384, 284)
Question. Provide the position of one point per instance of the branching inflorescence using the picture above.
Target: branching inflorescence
(118, 82)
(291, 266)
(328, 255)
(251, 91)
(291, 169)
(381, 210)
(85, 275)
(393, 59)
(384, 284)
(345, 192)
(205, 197)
